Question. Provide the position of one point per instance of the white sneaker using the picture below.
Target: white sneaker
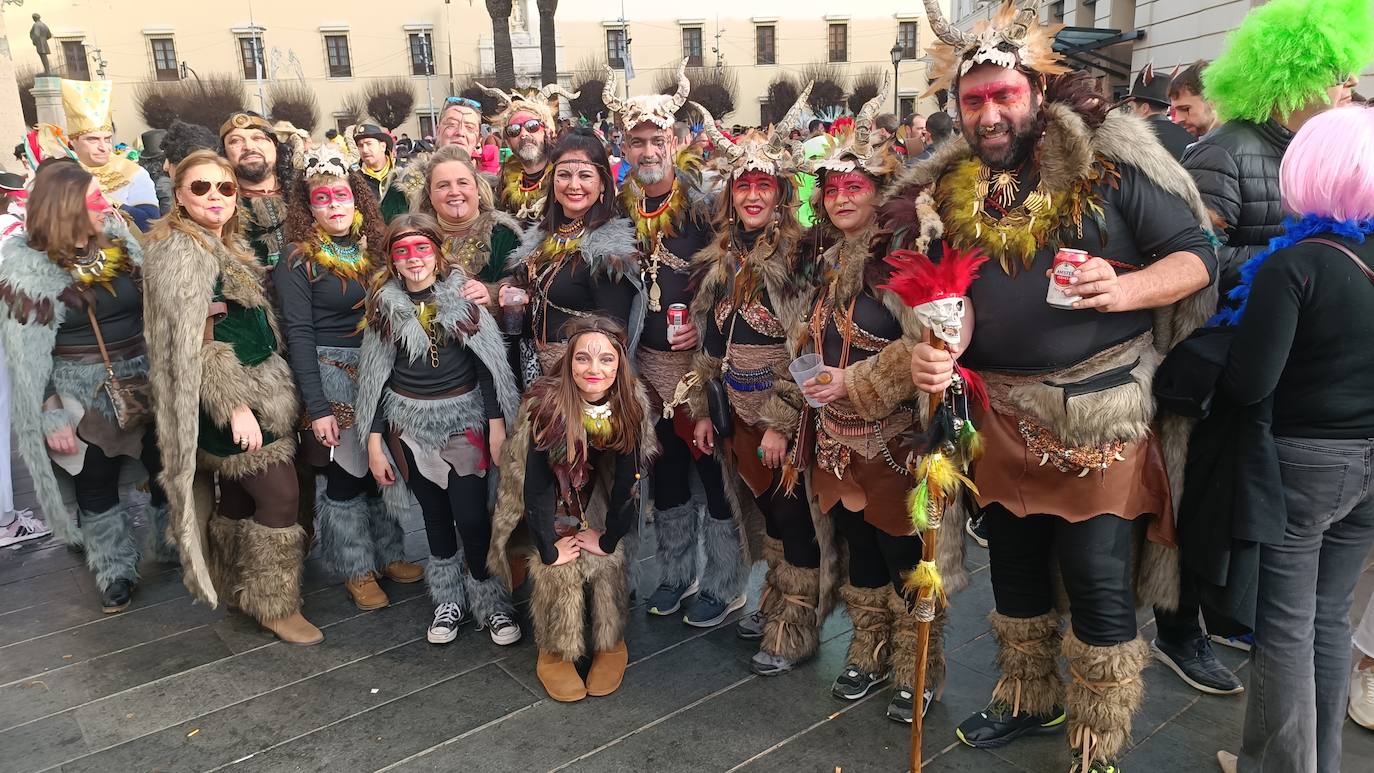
(444, 629)
(503, 629)
(1361, 708)
(23, 528)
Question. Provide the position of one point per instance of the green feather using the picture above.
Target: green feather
(918, 504)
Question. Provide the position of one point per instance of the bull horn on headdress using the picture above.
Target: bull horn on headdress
(351, 154)
(943, 29)
(684, 87)
(502, 97)
(608, 96)
(733, 152)
(790, 120)
(550, 90)
(863, 122)
(1021, 23)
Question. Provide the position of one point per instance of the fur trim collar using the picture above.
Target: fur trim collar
(847, 261)
(776, 272)
(479, 235)
(610, 250)
(30, 284)
(689, 174)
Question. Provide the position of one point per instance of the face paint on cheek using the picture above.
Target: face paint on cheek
(95, 202)
(852, 183)
(412, 247)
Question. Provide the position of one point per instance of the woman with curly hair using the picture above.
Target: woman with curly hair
(336, 232)
(583, 440)
(434, 395)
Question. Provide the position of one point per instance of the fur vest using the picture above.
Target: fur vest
(31, 311)
(482, 233)
(189, 375)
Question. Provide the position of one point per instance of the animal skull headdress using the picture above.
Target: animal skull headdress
(774, 153)
(657, 109)
(327, 159)
(853, 149)
(541, 103)
(1014, 38)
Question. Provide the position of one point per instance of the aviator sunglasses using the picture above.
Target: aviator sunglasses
(533, 125)
(202, 187)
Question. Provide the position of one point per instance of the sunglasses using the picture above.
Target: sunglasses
(533, 125)
(202, 187)
(465, 102)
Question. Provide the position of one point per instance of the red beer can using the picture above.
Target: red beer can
(1066, 261)
(677, 317)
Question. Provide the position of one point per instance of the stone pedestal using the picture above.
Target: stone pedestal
(47, 97)
(12, 127)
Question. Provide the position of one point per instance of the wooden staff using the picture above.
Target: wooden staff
(937, 505)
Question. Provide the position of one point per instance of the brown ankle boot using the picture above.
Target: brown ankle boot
(560, 678)
(294, 629)
(608, 669)
(404, 572)
(366, 593)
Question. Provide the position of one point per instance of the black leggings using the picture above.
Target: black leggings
(342, 487)
(97, 485)
(1094, 558)
(787, 518)
(464, 505)
(876, 558)
(270, 497)
(672, 480)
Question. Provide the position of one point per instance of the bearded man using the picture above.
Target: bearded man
(529, 130)
(263, 167)
(90, 126)
(1076, 469)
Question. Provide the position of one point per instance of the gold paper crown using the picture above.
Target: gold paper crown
(772, 153)
(853, 148)
(657, 109)
(1013, 38)
(87, 105)
(541, 103)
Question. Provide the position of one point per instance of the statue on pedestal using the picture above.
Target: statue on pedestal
(39, 35)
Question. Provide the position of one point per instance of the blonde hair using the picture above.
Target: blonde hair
(177, 220)
(486, 198)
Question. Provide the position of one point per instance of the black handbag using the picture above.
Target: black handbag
(718, 408)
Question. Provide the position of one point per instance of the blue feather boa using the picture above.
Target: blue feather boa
(1295, 230)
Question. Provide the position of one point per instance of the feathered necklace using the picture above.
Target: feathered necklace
(344, 260)
(564, 241)
(598, 423)
(650, 228)
(524, 197)
(100, 267)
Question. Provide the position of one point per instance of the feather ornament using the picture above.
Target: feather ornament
(924, 581)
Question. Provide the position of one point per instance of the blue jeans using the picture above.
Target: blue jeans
(1301, 661)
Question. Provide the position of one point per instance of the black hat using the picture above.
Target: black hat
(1149, 87)
(152, 144)
(10, 182)
(373, 131)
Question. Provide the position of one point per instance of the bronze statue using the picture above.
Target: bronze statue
(39, 35)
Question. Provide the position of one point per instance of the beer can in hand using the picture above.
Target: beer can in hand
(677, 319)
(1066, 261)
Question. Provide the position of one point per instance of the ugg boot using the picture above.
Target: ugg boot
(269, 583)
(222, 550)
(608, 670)
(560, 678)
(112, 555)
(906, 643)
(346, 547)
(388, 541)
(676, 529)
(870, 648)
(1029, 698)
(792, 631)
(164, 549)
(722, 574)
(1104, 692)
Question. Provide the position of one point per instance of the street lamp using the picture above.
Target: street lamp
(896, 53)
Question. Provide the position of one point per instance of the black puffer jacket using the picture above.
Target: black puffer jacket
(1236, 167)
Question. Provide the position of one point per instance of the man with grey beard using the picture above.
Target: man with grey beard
(529, 127)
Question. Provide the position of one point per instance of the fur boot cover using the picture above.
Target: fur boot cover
(31, 311)
(793, 627)
(676, 530)
(190, 377)
(269, 581)
(111, 549)
(163, 548)
(344, 534)
(557, 603)
(388, 537)
(1028, 656)
(906, 641)
(488, 597)
(870, 648)
(445, 578)
(1104, 692)
(723, 573)
(222, 555)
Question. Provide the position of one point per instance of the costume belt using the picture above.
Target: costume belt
(663, 371)
(90, 355)
(840, 433)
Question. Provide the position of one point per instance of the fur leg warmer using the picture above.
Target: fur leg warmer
(343, 534)
(676, 528)
(610, 598)
(388, 538)
(906, 642)
(445, 577)
(557, 603)
(723, 573)
(269, 582)
(870, 648)
(1028, 654)
(1104, 692)
(223, 555)
(793, 627)
(164, 549)
(488, 597)
(111, 550)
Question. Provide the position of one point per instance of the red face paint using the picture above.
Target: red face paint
(852, 184)
(412, 247)
(755, 182)
(1005, 92)
(324, 195)
(95, 202)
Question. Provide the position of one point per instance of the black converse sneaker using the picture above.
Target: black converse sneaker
(996, 726)
(504, 630)
(854, 683)
(447, 618)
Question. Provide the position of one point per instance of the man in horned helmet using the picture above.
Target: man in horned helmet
(1077, 469)
(665, 196)
(530, 127)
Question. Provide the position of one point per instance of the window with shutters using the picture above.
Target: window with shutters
(336, 50)
(839, 42)
(74, 63)
(765, 50)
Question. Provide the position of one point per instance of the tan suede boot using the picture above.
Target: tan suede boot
(403, 572)
(560, 678)
(608, 670)
(294, 629)
(366, 593)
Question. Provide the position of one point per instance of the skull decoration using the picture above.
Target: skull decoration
(944, 317)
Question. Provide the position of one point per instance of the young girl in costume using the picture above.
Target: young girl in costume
(582, 442)
(336, 234)
(435, 392)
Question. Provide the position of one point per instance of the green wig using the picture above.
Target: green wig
(1285, 53)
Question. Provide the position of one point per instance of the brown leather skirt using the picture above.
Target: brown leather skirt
(869, 486)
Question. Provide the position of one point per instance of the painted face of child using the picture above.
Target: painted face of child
(594, 364)
(416, 261)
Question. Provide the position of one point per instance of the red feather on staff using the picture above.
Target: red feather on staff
(918, 279)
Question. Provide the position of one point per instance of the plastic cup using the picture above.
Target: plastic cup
(804, 368)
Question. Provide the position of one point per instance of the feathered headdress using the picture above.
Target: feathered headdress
(932, 289)
(657, 109)
(853, 149)
(1013, 38)
(542, 103)
(1286, 53)
(773, 153)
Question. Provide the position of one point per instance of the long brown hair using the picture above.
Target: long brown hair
(177, 220)
(302, 230)
(728, 229)
(557, 413)
(407, 224)
(57, 219)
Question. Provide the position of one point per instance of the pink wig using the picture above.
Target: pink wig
(1328, 169)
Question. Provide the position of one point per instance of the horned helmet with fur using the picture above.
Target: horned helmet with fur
(542, 103)
(773, 153)
(657, 109)
(1013, 38)
(853, 148)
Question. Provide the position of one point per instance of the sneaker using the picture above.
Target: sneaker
(1244, 642)
(23, 528)
(853, 684)
(709, 612)
(667, 599)
(977, 527)
(447, 618)
(116, 598)
(1361, 708)
(1196, 664)
(503, 628)
(750, 627)
(900, 708)
(768, 664)
(995, 726)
